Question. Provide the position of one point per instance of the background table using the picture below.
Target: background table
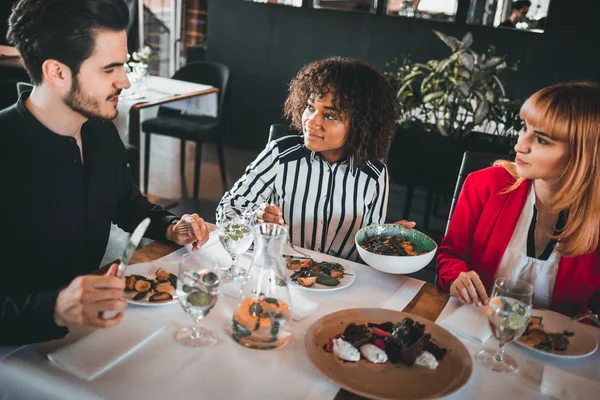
(190, 97)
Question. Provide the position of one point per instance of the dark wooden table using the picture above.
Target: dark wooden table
(428, 303)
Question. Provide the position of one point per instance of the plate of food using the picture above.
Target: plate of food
(386, 354)
(322, 276)
(148, 285)
(557, 335)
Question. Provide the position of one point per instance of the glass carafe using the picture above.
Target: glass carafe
(262, 319)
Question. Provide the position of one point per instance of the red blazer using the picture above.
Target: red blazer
(481, 228)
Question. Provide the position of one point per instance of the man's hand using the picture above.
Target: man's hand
(198, 236)
(468, 288)
(269, 213)
(80, 303)
(406, 224)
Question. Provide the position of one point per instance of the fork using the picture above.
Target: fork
(294, 248)
(184, 227)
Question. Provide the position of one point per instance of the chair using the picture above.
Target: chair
(277, 131)
(196, 128)
(471, 162)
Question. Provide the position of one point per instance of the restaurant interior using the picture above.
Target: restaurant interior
(188, 145)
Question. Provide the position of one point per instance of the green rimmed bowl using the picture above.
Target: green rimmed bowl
(396, 264)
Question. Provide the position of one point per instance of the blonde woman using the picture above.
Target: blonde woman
(537, 219)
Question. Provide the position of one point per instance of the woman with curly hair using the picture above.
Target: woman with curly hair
(331, 181)
(537, 219)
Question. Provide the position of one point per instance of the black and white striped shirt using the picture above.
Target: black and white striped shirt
(323, 204)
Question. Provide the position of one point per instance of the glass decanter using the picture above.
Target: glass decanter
(262, 319)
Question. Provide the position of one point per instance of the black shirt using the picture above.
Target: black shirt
(508, 24)
(58, 215)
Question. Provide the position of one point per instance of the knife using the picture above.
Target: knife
(134, 241)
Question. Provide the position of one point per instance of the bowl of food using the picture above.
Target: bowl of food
(394, 249)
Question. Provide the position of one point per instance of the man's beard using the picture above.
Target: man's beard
(85, 105)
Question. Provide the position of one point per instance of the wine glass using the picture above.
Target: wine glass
(508, 312)
(235, 233)
(198, 291)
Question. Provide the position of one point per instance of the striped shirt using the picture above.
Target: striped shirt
(323, 204)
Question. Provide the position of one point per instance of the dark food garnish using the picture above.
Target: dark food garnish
(402, 342)
(326, 273)
(408, 340)
(357, 335)
(386, 326)
(389, 246)
(537, 337)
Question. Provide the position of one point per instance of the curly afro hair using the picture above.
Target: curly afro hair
(361, 93)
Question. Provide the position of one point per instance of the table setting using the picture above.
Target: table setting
(207, 337)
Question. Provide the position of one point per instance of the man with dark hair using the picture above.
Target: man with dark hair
(519, 11)
(64, 161)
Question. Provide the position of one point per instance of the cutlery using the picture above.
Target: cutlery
(134, 241)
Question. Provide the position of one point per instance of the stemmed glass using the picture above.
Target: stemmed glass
(235, 233)
(198, 291)
(508, 312)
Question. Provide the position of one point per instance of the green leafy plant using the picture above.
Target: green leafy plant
(454, 95)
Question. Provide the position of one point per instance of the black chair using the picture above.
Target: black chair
(471, 162)
(196, 128)
(277, 131)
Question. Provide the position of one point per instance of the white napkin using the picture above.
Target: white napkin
(468, 321)
(104, 348)
(409, 288)
(561, 384)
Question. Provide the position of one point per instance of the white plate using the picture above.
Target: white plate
(581, 344)
(345, 281)
(149, 271)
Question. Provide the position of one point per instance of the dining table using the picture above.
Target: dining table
(163, 368)
(154, 91)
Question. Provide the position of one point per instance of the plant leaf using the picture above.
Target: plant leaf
(483, 108)
(448, 40)
(492, 62)
(463, 87)
(443, 64)
(467, 40)
(441, 128)
(468, 60)
(490, 96)
(464, 73)
(500, 85)
(433, 96)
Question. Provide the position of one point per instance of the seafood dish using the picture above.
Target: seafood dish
(405, 342)
(536, 336)
(162, 286)
(308, 272)
(389, 246)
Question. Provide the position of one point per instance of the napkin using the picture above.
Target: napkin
(409, 288)
(468, 321)
(104, 348)
(561, 384)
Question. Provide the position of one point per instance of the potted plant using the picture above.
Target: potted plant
(442, 102)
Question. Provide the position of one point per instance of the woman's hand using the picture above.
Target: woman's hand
(269, 213)
(406, 224)
(468, 288)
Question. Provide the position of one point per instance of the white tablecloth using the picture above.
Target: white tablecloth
(165, 369)
(157, 88)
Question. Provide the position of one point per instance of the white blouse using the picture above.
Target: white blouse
(516, 264)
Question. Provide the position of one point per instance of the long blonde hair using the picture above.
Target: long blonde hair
(570, 112)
